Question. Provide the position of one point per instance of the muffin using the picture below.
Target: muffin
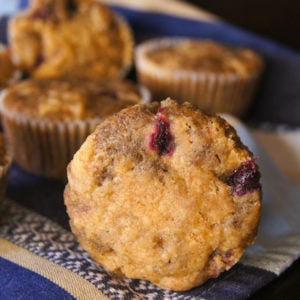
(8, 72)
(55, 38)
(46, 120)
(213, 76)
(165, 193)
(5, 162)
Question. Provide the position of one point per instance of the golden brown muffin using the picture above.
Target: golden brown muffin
(5, 162)
(46, 120)
(8, 72)
(166, 193)
(215, 77)
(54, 38)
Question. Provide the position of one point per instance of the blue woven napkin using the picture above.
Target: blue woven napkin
(41, 259)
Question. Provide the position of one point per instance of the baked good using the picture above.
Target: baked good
(84, 38)
(46, 120)
(164, 192)
(213, 76)
(5, 162)
(8, 72)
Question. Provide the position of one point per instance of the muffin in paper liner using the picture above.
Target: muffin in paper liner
(47, 120)
(213, 76)
(5, 163)
(82, 38)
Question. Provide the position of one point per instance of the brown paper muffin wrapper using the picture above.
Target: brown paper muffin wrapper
(46, 147)
(212, 92)
(43, 147)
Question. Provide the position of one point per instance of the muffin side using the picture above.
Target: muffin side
(213, 76)
(46, 120)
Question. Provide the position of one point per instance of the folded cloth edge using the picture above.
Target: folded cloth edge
(68, 280)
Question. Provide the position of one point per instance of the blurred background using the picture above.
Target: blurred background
(277, 19)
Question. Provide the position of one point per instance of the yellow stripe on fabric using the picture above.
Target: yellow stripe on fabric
(71, 282)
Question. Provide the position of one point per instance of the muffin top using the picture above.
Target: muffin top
(164, 192)
(201, 55)
(69, 99)
(55, 38)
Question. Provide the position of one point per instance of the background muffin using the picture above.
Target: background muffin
(5, 162)
(54, 38)
(8, 72)
(215, 77)
(165, 193)
(46, 120)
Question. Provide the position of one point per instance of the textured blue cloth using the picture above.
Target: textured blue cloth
(18, 283)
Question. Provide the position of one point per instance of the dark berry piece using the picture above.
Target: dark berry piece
(245, 178)
(161, 140)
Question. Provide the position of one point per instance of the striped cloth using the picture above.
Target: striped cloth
(41, 259)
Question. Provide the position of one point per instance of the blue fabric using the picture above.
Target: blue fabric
(238, 283)
(18, 283)
(23, 4)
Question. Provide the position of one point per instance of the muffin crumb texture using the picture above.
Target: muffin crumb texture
(77, 38)
(47, 120)
(214, 76)
(165, 193)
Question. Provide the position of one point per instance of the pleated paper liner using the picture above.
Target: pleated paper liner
(213, 92)
(45, 147)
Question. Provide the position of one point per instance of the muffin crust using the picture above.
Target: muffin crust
(55, 38)
(66, 99)
(205, 55)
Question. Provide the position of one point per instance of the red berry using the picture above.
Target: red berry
(245, 178)
(161, 140)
